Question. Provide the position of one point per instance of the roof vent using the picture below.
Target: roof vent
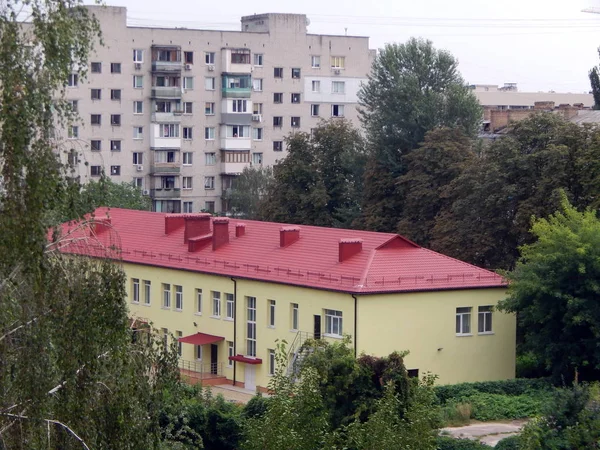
(288, 235)
(220, 232)
(240, 229)
(348, 248)
(196, 225)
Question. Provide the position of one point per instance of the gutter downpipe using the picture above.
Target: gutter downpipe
(355, 325)
(234, 326)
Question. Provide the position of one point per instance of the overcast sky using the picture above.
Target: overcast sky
(540, 44)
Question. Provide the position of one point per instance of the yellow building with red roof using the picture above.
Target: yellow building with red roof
(229, 289)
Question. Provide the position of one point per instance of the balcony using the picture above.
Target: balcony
(165, 143)
(165, 193)
(231, 168)
(165, 168)
(232, 143)
(161, 117)
(196, 372)
(166, 92)
(167, 66)
(236, 92)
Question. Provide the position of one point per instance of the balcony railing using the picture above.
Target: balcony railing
(167, 66)
(164, 117)
(199, 370)
(165, 168)
(166, 91)
(236, 92)
(160, 193)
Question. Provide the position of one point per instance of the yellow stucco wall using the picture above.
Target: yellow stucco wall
(419, 322)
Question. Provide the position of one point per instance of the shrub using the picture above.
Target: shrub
(487, 407)
(509, 443)
(456, 414)
(449, 443)
(516, 386)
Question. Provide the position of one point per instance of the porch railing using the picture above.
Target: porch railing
(200, 370)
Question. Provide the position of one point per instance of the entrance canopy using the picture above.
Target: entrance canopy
(201, 339)
(245, 359)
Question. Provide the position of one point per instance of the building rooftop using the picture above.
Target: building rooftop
(586, 116)
(351, 261)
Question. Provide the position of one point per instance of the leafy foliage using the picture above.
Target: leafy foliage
(595, 84)
(449, 443)
(554, 290)
(248, 191)
(515, 386)
(508, 443)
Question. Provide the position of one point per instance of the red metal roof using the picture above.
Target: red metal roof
(386, 262)
(201, 339)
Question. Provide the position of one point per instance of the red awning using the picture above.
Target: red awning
(245, 359)
(201, 339)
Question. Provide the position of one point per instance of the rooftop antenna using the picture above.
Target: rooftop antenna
(346, 31)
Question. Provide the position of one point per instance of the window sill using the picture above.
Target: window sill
(215, 317)
(271, 326)
(135, 303)
(293, 331)
(228, 319)
(486, 333)
(333, 336)
(178, 310)
(166, 308)
(146, 304)
(463, 334)
(197, 313)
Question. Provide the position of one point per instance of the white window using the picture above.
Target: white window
(138, 81)
(188, 107)
(138, 55)
(240, 106)
(337, 110)
(257, 158)
(187, 158)
(315, 61)
(238, 131)
(230, 353)
(210, 159)
(258, 59)
(135, 290)
(138, 158)
(209, 83)
(333, 322)
(294, 318)
(73, 80)
(271, 362)
(138, 107)
(73, 132)
(229, 306)
(271, 318)
(199, 352)
(251, 326)
(188, 82)
(257, 108)
(209, 133)
(338, 87)
(338, 62)
(166, 295)
(138, 132)
(187, 182)
(257, 84)
(209, 108)
(169, 130)
(209, 57)
(463, 320)
(316, 86)
(314, 110)
(209, 183)
(485, 319)
(179, 298)
(257, 134)
(198, 301)
(179, 343)
(187, 133)
(188, 207)
(147, 286)
(216, 304)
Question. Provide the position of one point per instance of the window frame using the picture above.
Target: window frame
(135, 290)
(485, 318)
(147, 292)
(166, 297)
(198, 302)
(178, 298)
(462, 326)
(229, 306)
(334, 320)
(272, 305)
(295, 316)
(216, 304)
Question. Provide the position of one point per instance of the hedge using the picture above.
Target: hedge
(516, 386)
(449, 443)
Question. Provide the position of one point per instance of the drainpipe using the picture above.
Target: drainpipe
(234, 326)
(355, 325)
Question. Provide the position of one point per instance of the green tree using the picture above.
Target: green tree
(73, 374)
(320, 180)
(248, 190)
(412, 88)
(595, 84)
(553, 290)
(429, 170)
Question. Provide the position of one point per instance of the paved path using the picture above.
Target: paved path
(489, 433)
(233, 393)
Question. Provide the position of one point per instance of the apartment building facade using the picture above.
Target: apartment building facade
(181, 112)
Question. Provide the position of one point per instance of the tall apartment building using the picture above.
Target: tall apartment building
(181, 112)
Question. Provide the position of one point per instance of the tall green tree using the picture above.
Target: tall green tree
(594, 77)
(554, 291)
(412, 88)
(320, 180)
(248, 190)
(429, 170)
(73, 373)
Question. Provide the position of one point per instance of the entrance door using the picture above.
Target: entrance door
(317, 329)
(214, 353)
(250, 378)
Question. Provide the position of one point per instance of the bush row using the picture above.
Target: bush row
(449, 443)
(517, 386)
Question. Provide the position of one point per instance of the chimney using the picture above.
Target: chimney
(220, 232)
(196, 225)
(100, 225)
(240, 229)
(196, 244)
(288, 235)
(349, 248)
(173, 222)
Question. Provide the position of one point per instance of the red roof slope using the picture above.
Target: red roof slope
(386, 262)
